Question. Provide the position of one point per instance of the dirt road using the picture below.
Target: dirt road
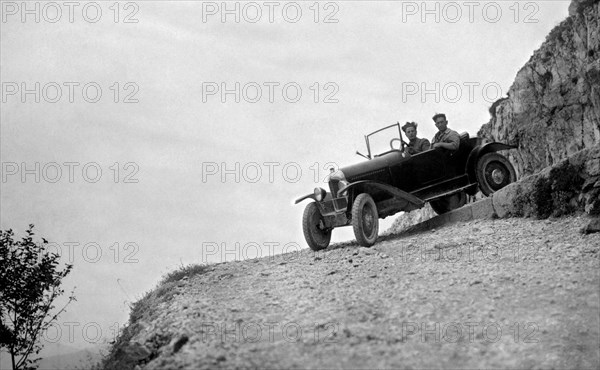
(508, 293)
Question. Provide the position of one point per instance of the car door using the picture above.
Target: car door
(420, 170)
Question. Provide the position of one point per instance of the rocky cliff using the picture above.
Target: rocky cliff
(552, 110)
(553, 107)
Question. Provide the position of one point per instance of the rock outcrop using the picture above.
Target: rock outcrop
(553, 107)
(408, 219)
(571, 185)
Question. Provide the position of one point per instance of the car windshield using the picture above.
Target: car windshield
(379, 141)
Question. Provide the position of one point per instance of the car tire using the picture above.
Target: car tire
(494, 172)
(449, 203)
(365, 220)
(316, 238)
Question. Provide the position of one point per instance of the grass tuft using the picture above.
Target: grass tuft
(184, 271)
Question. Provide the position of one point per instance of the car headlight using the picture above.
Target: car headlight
(320, 194)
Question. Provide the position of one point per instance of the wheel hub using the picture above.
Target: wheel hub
(497, 176)
(368, 220)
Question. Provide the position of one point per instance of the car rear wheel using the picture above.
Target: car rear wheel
(449, 202)
(365, 220)
(494, 172)
(316, 235)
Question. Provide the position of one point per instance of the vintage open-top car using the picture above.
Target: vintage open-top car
(391, 180)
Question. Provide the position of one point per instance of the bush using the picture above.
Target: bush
(29, 283)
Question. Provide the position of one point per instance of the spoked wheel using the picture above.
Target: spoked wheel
(449, 203)
(365, 220)
(494, 172)
(316, 235)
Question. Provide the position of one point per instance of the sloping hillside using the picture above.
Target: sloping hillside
(515, 293)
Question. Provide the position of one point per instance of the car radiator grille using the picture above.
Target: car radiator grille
(334, 186)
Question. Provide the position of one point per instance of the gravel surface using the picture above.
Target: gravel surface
(507, 293)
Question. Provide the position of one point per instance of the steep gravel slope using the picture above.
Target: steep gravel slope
(516, 293)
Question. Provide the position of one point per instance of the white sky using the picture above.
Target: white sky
(376, 51)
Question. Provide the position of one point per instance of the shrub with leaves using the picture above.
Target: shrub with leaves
(30, 281)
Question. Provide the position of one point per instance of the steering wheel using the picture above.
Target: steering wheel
(396, 139)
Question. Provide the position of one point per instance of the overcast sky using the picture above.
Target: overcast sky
(141, 139)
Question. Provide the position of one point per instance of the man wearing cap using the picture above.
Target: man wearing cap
(444, 138)
(415, 144)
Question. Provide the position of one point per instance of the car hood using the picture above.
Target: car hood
(376, 168)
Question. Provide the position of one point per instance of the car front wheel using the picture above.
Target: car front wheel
(365, 220)
(494, 172)
(316, 235)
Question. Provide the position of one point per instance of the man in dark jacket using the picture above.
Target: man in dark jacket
(444, 138)
(415, 144)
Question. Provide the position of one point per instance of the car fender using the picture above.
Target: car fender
(393, 191)
(311, 196)
(479, 151)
